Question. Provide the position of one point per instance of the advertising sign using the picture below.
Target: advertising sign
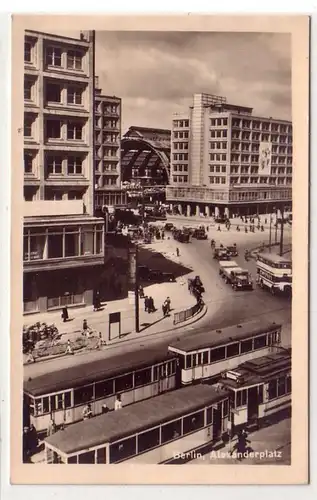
(265, 155)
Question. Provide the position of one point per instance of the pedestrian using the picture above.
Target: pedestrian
(146, 304)
(87, 412)
(141, 292)
(97, 302)
(219, 228)
(238, 228)
(104, 408)
(118, 402)
(33, 439)
(163, 235)
(85, 327)
(152, 306)
(177, 252)
(207, 229)
(168, 304)
(65, 314)
(228, 227)
(69, 349)
(245, 229)
(164, 309)
(265, 221)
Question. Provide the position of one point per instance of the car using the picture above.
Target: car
(160, 276)
(232, 250)
(169, 226)
(200, 234)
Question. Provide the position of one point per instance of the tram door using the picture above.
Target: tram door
(253, 404)
(217, 422)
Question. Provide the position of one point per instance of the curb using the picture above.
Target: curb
(191, 321)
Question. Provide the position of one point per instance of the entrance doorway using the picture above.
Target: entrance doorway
(217, 421)
(253, 404)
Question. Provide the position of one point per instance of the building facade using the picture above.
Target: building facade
(226, 161)
(107, 150)
(63, 240)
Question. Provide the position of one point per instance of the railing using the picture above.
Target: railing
(182, 316)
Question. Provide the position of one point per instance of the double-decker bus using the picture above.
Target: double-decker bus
(274, 273)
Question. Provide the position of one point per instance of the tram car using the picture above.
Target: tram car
(148, 432)
(259, 389)
(208, 354)
(63, 394)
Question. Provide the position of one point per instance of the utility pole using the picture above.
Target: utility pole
(270, 240)
(136, 291)
(275, 226)
(282, 231)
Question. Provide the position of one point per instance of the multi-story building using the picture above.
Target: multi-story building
(63, 240)
(108, 150)
(225, 160)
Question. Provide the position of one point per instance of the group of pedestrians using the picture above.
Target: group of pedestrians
(149, 304)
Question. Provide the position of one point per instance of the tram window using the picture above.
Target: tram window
(148, 440)
(241, 397)
(83, 394)
(53, 402)
(225, 408)
(260, 394)
(217, 354)
(233, 350)
(124, 383)
(195, 359)
(72, 460)
(209, 415)
(87, 458)
(59, 405)
(182, 362)
(142, 377)
(272, 389)
(38, 406)
(104, 388)
(260, 342)
(189, 361)
(281, 386)
(45, 405)
(122, 449)
(246, 346)
(67, 400)
(57, 459)
(288, 384)
(30, 403)
(205, 358)
(171, 431)
(101, 456)
(193, 422)
(173, 367)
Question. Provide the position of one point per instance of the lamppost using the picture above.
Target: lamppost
(275, 209)
(282, 230)
(270, 240)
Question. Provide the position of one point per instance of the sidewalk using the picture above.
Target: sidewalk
(235, 221)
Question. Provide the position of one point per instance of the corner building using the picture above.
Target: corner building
(63, 251)
(226, 161)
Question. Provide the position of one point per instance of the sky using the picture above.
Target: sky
(156, 73)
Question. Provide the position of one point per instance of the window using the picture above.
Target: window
(225, 408)
(241, 397)
(122, 449)
(72, 244)
(272, 389)
(260, 342)
(104, 388)
(74, 95)
(74, 59)
(288, 384)
(74, 131)
(205, 358)
(54, 56)
(193, 422)
(246, 346)
(124, 383)
(87, 458)
(217, 354)
(233, 350)
(54, 165)
(53, 129)
(55, 246)
(27, 52)
(281, 386)
(28, 126)
(142, 377)
(148, 440)
(28, 163)
(209, 415)
(28, 85)
(67, 400)
(171, 431)
(53, 92)
(45, 405)
(74, 165)
(83, 394)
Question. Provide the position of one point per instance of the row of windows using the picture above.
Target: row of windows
(217, 168)
(106, 137)
(255, 148)
(56, 129)
(180, 168)
(218, 145)
(180, 123)
(180, 156)
(102, 181)
(217, 180)
(279, 387)
(105, 388)
(219, 134)
(246, 158)
(53, 56)
(56, 165)
(261, 180)
(256, 137)
(112, 109)
(274, 279)
(180, 178)
(218, 157)
(275, 265)
(285, 194)
(257, 125)
(157, 436)
(180, 145)
(246, 169)
(218, 122)
(235, 349)
(53, 194)
(180, 135)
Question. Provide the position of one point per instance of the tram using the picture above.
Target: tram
(259, 389)
(208, 354)
(148, 432)
(62, 395)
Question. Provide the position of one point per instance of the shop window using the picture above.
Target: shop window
(104, 388)
(217, 354)
(87, 241)
(148, 440)
(87, 458)
(83, 395)
(171, 431)
(233, 350)
(142, 377)
(101, 456)
(246, 346)
(124, 383)
(193, 422)
(260, 342)
(272, 390)
(122, 450)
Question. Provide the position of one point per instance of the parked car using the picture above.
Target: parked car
(160, 276)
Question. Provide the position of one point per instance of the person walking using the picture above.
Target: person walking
(146, 304)
(177, 252)
(151, 305)
(118, 402)
(69, 349)
(168, 304)
(65, 314)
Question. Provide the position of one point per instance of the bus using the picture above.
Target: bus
(259, 390)
(63, 394)
(206, 355)
(274, 273)
(148, 432)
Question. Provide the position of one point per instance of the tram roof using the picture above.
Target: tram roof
(221, 336)
(94, 371)
(260, 369)
(134, 418)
